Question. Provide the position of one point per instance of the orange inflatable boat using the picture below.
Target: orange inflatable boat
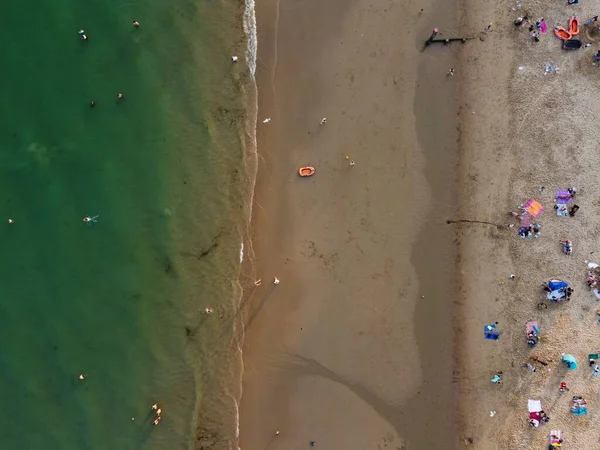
(306, 171)
(574, 25)
(561, 33)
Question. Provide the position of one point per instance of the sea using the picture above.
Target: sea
(140, 304)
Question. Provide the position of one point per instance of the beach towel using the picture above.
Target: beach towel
(534, 405)
(556, 438)
(562, 210)
(563, 197)
(526, 220)
(532, 327)
(492, 336)
(533, 207)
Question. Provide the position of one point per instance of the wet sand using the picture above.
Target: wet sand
(355, 347)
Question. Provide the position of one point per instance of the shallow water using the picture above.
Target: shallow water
(120, 300)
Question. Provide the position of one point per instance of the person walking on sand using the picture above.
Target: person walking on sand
(450, 72)
(323, 121)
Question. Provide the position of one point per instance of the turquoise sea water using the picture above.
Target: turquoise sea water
(121, 300)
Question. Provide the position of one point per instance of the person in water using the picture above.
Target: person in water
(90, 219)
(136, 23)
(92, 103)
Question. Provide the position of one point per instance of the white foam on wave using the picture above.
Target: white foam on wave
(250, 30)
(252, 109)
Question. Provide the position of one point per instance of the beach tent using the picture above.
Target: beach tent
(533, 207)
(558, 290)
(569, 361)
(555, 285)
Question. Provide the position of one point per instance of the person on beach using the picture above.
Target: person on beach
(563, 387)
(234, 59)
(535, 35)
(136, 23)
(450, 72)
(323, 121)
(591, 21)
(275, 281)
(488, 28)
(573, 210)
(434, 33)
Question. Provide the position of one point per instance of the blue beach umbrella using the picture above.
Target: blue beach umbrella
(569, 361)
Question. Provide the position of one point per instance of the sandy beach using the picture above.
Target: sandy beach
(532, 130)
(355, 347)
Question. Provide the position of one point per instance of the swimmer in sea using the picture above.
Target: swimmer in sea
(92, 103)
(90, 219)
(136, 23)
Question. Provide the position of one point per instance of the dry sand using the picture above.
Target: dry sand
(354, 348)
(530, 130)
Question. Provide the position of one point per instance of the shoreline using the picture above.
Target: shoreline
(281, 360)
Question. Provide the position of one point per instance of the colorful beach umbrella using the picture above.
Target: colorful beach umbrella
(533, 207)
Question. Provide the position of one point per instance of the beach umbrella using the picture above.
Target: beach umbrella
(569, 361)
(533, 207)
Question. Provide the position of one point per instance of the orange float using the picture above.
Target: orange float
(561, 33)
(307, 171)
(574, 25)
